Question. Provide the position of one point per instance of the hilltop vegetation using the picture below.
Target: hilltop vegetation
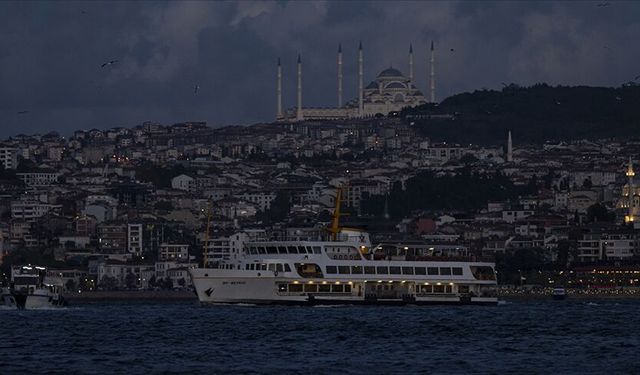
(534, 114)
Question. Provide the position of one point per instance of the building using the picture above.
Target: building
(173, 252)
(183, 182)
(30, 210)
(8, 157)
(134, 238)
(39, 178)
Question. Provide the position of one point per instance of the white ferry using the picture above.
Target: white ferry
(30, 290)
(345, 269)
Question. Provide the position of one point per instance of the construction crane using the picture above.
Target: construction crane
(334, 229)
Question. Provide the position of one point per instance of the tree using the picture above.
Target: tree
(130, 280)
(152, 281)
(108, 283)
(182, 282)
(599, 213)
(70, 285)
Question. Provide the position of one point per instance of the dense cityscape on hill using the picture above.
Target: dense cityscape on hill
(128, 207)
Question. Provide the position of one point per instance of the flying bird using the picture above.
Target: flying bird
(635, 79)
(22, 112)
(109, 63)
(195, 89)
(452, 50)
(601, 5)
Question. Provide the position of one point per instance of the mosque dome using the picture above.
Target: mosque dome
(395, 85)
(390, 72)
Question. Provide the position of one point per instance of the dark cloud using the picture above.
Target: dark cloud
(51, 52)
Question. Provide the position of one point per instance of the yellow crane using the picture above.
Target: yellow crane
(205, 249)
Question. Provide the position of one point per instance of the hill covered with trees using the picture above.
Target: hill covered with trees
(534, 114)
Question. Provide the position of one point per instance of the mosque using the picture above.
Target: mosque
(390, 91)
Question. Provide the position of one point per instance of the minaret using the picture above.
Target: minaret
(509, 148)
(360, 82)
(299, 116)
(410, 66)
(279, 91)
(432, 84)
(630, 174)
(339, 75)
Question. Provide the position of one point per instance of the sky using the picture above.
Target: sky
(51, 54)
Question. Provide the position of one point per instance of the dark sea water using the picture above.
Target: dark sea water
(517, 337)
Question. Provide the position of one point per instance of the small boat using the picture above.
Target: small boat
(30, 290)
(559, 293)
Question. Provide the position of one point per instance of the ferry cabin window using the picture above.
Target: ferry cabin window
(382, 270)
(246, 266)
(421, 271)
(347, 288)
(369, 270)
(272, 267)
(287, 268)
(295, 288)
(337, 288)
(448, 289)
(438, 288)
(427, 289)
(316, 250)
(279, 267)
(343, 270)
(253, 250)
(457, 271)
(302, 250)
(332, 270)
(407, 270)
(310, 288)
(263, 267)
(324, 288)
(272, 250)
(262, 250)
(394, 270)
(292, 249)
(282, 287)
(356, 270)
(483, 273)
(309, 270)
(445, 270)
(282, 249)
(432, 270)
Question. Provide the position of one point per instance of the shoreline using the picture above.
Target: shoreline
(131, 295)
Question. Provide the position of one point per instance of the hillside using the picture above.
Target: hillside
(534, 114)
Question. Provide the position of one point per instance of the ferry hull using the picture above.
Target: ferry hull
(263, 291)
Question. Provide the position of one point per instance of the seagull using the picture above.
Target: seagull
(618, 98)
(109, 63)
(195, 89)
(601, 5)
(22, 112)
(558, 103)
(635, 79)
(452, 50)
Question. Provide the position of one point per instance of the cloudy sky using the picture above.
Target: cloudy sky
(51, 54)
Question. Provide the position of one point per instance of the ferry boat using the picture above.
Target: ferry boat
(29, 289)
(344, 269)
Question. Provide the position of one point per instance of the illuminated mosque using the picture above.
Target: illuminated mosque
(390, 91)
(630, 201)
